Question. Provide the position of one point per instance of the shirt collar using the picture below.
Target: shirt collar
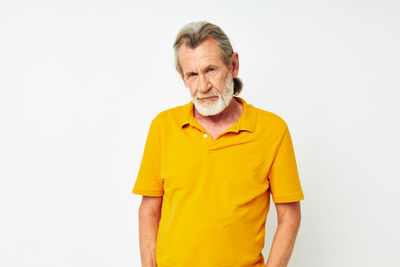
(247, 120)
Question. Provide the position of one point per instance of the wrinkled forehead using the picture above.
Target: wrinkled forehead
(207, 52)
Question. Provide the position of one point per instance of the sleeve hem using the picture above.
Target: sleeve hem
(147, 192)
(286, 199)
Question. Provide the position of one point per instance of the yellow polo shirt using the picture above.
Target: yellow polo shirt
(216, 193)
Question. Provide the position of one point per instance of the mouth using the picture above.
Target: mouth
(208, 98)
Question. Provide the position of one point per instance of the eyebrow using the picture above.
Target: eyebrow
(209, 66)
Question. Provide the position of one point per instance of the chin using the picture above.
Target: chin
(210, 110)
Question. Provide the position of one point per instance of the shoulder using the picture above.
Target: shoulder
(170, 115)
(269, 121)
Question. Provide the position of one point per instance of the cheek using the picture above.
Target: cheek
(192, 86)
(191, 89)
(217, 83)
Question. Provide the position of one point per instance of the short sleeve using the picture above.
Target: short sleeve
(149, 181)
(283, 175)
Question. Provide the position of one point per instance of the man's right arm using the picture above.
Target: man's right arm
(149, 217)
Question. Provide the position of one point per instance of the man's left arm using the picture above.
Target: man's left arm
(289, 217)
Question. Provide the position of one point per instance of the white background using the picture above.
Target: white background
(80, 82)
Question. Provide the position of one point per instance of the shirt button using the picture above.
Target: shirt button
(205, 135)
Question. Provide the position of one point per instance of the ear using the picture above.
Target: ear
(235, 65)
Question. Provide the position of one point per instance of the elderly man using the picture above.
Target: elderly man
(210, 166)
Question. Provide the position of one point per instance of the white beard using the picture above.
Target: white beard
(213, 108)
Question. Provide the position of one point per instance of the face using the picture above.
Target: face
(210, 81)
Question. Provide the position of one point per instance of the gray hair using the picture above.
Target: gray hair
(193, 34)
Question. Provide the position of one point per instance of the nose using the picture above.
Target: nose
(204, 83)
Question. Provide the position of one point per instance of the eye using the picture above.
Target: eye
(211, 69)
(192, 74)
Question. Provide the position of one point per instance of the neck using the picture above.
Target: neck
(230, 114)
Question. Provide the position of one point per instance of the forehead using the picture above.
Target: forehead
(207, 53)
